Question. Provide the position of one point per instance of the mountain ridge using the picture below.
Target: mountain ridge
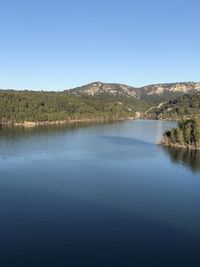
(151, 92)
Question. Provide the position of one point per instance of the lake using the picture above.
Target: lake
(98, 195)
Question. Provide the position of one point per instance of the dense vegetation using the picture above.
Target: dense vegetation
(158, 98)
(187, 134)
(42, 107)
(21, 106)
(186, 106)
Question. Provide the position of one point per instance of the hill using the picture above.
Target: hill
(151, 93)
(183, 107)
(101, 101)
(42, 107)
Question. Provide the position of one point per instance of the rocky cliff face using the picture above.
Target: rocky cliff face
(167, 90)
(171, 87)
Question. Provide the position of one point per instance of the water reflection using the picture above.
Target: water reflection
(96, 196)
(24, 132)
(188, 158)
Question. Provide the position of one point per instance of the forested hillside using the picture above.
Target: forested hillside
(185, 106)
(99, 101)
(20, 106)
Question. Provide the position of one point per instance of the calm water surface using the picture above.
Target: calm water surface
(100, 195)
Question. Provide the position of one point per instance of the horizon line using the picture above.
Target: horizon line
(78, 86)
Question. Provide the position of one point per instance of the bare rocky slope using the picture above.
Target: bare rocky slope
(149, 93)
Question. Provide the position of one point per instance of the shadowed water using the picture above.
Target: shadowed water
(184, 157)
(97, 195)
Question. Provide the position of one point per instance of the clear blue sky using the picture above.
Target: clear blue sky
(58, 44)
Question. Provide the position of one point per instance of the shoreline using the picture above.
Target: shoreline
(188, 147)
(30, 124)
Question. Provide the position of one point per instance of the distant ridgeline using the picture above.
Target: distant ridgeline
(187, 135)
(162, 101)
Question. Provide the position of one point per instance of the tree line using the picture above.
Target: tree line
(187, 134)
(21, 106)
